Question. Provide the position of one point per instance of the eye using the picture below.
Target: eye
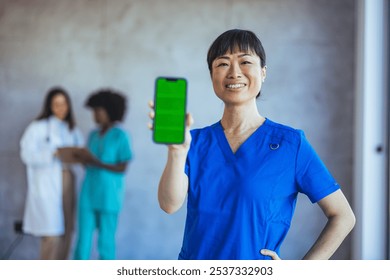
(246, 62)
(222, 64)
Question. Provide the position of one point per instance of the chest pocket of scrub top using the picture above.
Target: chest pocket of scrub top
(101, 147)
(278, 176)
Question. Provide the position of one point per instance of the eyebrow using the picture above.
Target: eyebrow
(226, 57)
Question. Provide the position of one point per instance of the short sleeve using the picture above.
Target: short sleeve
(190, 151)
(312, 176)
(124, 150)
(90, 140)
(187, 167)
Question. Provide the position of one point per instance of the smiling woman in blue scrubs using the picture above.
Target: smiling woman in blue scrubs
(242, 174)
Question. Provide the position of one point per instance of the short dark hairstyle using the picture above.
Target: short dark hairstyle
(110, 100)
(244, 40)
(46, 110)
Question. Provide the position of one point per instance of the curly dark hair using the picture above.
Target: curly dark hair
(46, 110)
(113, 101)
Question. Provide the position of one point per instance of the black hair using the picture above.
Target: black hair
(228, 41)
(244, 40)
(110, 100)
(46, 110)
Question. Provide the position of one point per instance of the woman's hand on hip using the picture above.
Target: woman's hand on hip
(270, 253)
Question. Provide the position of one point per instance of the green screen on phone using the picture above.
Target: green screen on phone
(170, 110)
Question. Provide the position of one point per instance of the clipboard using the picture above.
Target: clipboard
(70, 154)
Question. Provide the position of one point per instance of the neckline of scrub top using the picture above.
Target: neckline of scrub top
(101, 136)
(224, 143)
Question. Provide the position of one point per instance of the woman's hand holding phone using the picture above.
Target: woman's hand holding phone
(184, 147)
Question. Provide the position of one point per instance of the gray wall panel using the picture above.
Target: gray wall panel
(83, 45)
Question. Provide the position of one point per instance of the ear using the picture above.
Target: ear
(264, 72)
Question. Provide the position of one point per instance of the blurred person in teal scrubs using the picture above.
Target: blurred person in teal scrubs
(106, 159)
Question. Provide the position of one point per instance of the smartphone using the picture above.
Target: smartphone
(170, 102)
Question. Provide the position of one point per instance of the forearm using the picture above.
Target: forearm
(37, 158)
(85, 157)
(335, 231)
(173, 185)
(120, 167)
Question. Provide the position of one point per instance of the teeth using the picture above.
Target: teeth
(235, 85)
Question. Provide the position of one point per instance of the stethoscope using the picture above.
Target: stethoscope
(48, 139)
(48, 130)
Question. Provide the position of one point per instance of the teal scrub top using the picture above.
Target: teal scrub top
(239, 203)
(103, 189)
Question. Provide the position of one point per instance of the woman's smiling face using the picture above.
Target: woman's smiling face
(59, 106)
(237, 77)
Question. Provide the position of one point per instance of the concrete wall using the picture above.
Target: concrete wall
(84, 44)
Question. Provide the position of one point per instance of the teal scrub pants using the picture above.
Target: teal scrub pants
(106, 224)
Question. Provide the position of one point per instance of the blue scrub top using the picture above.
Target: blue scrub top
(240, 203)
(103, 189)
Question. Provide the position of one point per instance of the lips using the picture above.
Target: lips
(234, 86)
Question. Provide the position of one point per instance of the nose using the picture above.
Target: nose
(234, 71)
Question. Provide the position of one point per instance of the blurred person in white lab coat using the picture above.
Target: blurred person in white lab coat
(50, 202)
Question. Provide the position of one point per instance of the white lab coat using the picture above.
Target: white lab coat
(43, 213)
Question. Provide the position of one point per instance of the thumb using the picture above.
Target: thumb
(189, 120)
(270, 253)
